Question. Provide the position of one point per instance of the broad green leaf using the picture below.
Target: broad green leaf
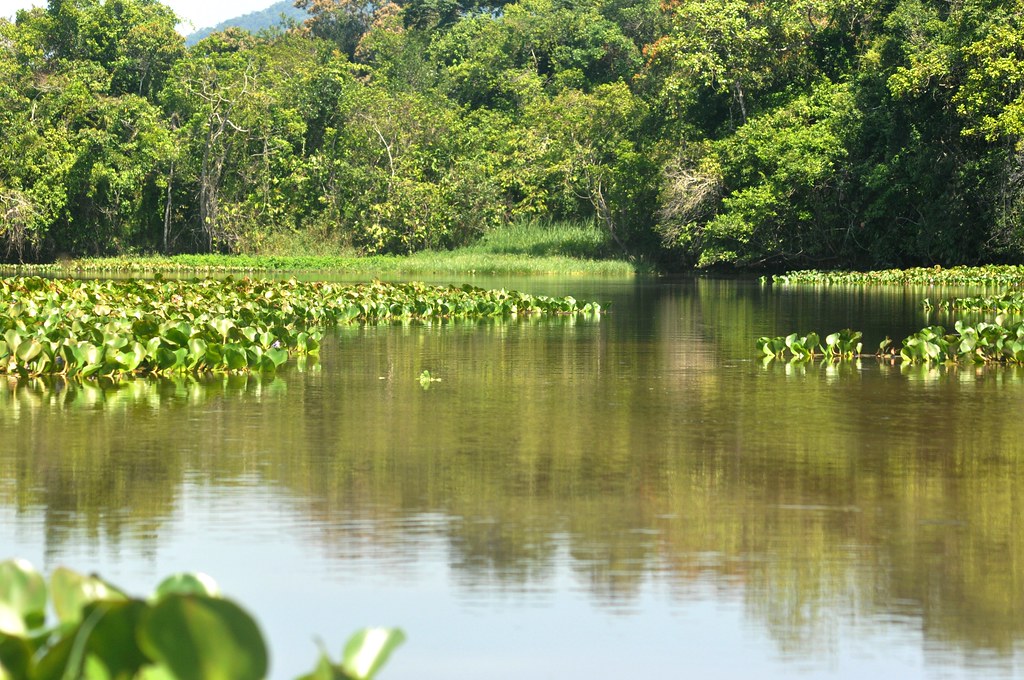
(11, 622)
(15, 657)
(234, 357)
(71, 591)
(134, 356)
(112, 641)
(23, 589)
(204, 638)
(278, 356)
(222, 326)
(29, 349)
(13, 339)
(367, 650)
(185, 584)
(197, 351)
(155, 672)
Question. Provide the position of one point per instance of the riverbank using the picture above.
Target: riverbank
(529, 248)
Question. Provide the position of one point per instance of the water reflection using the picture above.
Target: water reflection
(651, 449)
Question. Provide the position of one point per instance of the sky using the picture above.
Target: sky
(194, 14)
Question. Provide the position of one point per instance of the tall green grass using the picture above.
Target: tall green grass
(534, 247)
(546, 238)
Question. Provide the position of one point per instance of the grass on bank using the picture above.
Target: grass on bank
(524, 248)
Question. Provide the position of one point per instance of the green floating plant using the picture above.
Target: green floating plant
(844, 344)
(425, 379)
(185, 630)
(989, 275)
(981, 343)
(121, 328)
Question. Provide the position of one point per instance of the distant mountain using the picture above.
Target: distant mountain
(253, 21)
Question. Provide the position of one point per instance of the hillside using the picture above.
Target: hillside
(253, 21)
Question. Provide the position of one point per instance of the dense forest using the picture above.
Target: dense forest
(697, 132)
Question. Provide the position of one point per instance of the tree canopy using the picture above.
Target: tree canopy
(695, 132)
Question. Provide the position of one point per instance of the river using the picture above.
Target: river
(631, 496)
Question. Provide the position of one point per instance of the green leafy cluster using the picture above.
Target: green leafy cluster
(185, 630)
(981, 343)
(702, 132)
(1004, 303)
(989, 275)
(85, 328)
(844, 344)
(973, 344)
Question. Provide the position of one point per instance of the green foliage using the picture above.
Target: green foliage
(1005, 303)
(990, 275)
(730, 132)
(844, 344)
(981, 343)
(777, 174)
(425, 379)
(185, 630)
(82, 329)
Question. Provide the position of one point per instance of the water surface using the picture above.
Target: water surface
(632, 496)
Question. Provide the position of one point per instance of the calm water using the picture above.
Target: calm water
(631, 497)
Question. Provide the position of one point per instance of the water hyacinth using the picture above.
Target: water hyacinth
(117, 328)
(184, 629)
(981, 343)
(990, 275)
(1005, 303)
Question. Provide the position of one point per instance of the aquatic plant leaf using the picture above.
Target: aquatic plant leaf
(368, 650)
(111, 645)
(23, 590)
(11, 622)
(234, 357)
(203, 637)
(278, 356)
(71, 591)
(223, 326)
(13, 339)
(155, 672)
(187, 583)
(15, 658)
(29, 350)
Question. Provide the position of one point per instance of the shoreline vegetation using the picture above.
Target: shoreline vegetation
(750, 135)
(528, 248)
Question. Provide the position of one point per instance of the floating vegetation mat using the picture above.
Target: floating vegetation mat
(982, 343)
(117, 328)
(1005, 303)
(992, 275)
